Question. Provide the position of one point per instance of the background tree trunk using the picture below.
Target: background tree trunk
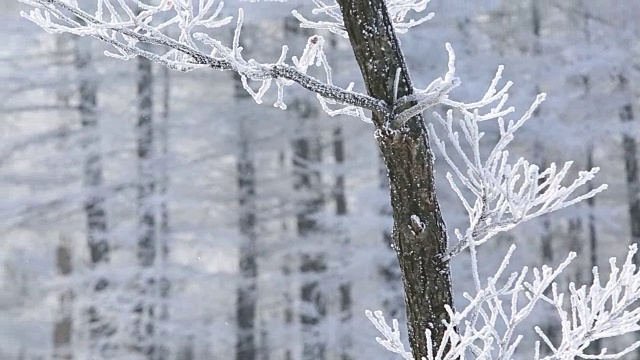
(595, 345)
(307, 156)
(94, 203)
(287, 273)
(307, 183)
(246, 297)
(63, 328)
(346, 313)
(146, 213)
(163, 245)
(419, 232)
(630, 149)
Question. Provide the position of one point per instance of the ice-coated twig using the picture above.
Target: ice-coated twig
(127, 25)
(486, 330)
(503, 194)
(434, 94)
(392, 341)
(398, 11)
(598, 311)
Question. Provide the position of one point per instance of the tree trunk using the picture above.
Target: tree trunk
(287, 274)
(549, 327)
(63, 328)
(419, 234)
(630, 149)
(146, 217)
(307, 183)
(92, 167)
(388, 269)
(94, 203)
(164, 235)
(339, 196)
(307, 155)
(246, 297)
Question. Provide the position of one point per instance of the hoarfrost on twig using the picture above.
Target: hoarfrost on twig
(125, 26)
(503, 194)
(486, 330)
(398, 11)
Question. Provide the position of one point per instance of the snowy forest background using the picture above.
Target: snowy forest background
(146, 208)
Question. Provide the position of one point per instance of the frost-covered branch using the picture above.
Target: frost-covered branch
(126, 25)
(437, 92)
(129, 25)
(486, 330)
(392, 340)
(598, 312)
(504, 194)
(398, 11)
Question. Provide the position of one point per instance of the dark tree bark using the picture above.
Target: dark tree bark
(146, 156)
(344, 288)
(94, 203)
(307, 183)
(419, 234)
(163, 180)
(596, 345)
(246, 297)
(287, 273)
(163, 228)
(146, 312)
(63, 328)
(94, 206)
(388, 269)
(288, 305)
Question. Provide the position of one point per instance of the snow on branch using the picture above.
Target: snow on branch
(398, 11)
(599, 312)
(422, 99)
(392, 340)
(485, 330)
(504, 194)
(130, 26)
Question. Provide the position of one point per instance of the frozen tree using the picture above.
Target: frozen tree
(503, 194)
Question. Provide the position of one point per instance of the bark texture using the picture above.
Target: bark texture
(345, 287)
(63, 328)
(93, 182)
(246, 296)
(307, 182)
(146, 311)
(313, 263)
(388, 269)
(419, 234)
(92, 167)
